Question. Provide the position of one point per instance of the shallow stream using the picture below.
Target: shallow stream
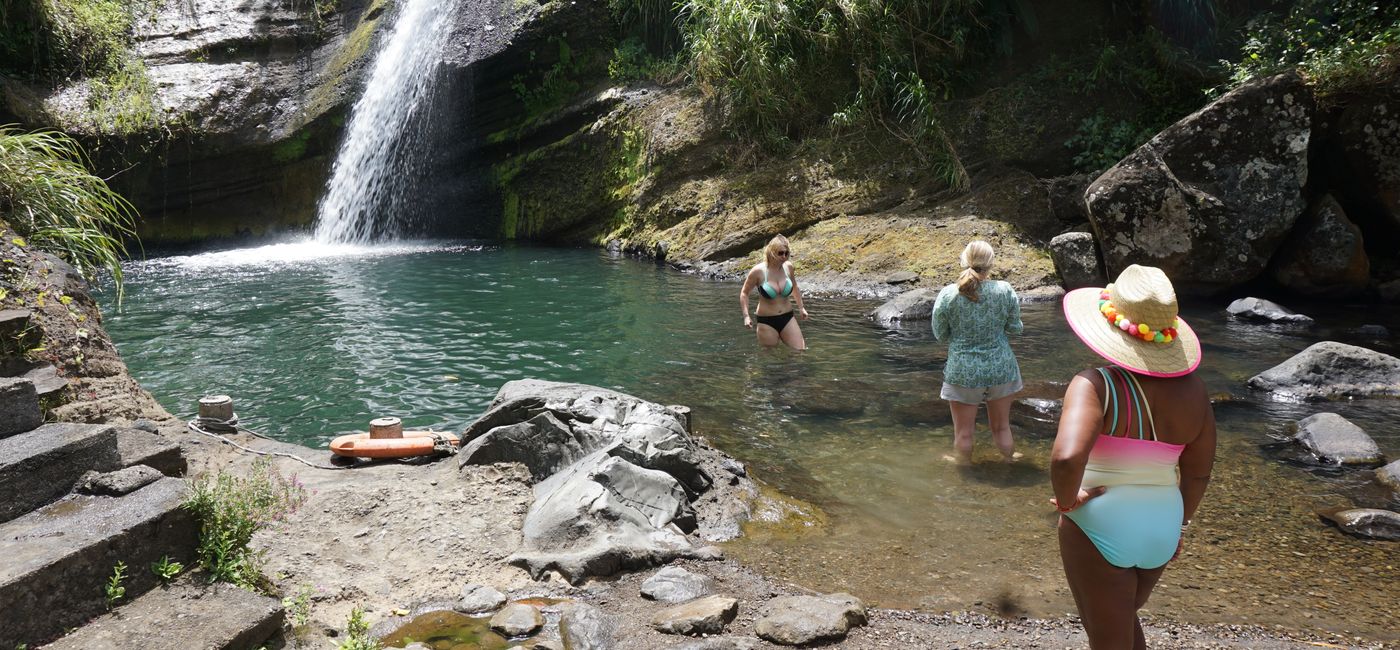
(314, 341)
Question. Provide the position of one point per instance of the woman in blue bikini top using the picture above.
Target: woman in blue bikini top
(1134, 451)
(775, 298)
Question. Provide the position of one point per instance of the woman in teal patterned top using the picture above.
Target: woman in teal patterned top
(974, 316)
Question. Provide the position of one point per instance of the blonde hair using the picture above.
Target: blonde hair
(976, 260)
(770, 251)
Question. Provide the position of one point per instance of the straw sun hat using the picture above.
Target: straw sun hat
(1142, 298)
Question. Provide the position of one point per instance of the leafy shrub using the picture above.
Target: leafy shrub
(230, 510)
(48, 196)
(1340, 45)
(113, 590)
(166, 569)
(357, 636)
(1100, 142)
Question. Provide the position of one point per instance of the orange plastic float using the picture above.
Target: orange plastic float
(387, 439)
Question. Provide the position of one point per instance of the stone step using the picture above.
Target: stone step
(42, 465)
(46, 380)
(12, 321)
(137, 447)
(19, 406)
(187, 614)
(58, 558)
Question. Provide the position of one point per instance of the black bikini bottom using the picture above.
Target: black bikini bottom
(777, 322)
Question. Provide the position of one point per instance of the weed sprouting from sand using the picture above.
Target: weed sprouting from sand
(113, 590)
(230, 510)
(357, 636)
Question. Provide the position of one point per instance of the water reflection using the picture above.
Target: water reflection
(314, 348)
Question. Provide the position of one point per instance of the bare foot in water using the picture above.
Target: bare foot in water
(957, 460)
(1015, 456)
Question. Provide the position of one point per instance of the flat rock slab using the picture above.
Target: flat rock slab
(46, 380)
(1258, 309)
(139, 447)
(1333, 439)
(19, 406)
(517, 619)
(676, 585)
(186, 615)
(1329, 370)
(908, 309)
(1365, 522)
(800, 620)
(706, 615)
(480, 598)
(122, 481)
(57, 558)
(40, 466)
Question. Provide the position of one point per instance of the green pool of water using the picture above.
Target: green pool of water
(312, 343)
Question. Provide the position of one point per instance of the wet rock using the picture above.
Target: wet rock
(1324, 256)
(902, 277)
(1210, 198)
(800, 620)
(585, 627)
(1076, 258)
(676, 585)
(122, 481)
(480, 598)
(706, 615)
(929, 412)
(1373, 331)
(720, 643)
(1389, 475)
(517, 619)
(1265, 310)
(1365, 522)
(1330, 370)
(1335, 440)
(1037, 416)
(430, 606)
(909, 309)
(19, 406)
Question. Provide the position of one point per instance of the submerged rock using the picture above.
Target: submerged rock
(480, 598)
(1076, 258)
(1210, 198)
(1330, 370)
(1265, 310)
(1335, 440)
(800, 620)
(676, 585)
(706, 615)
(1365, 522)
(908, 309)
(517, 619)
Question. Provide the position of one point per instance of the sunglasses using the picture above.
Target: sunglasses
(780, 253)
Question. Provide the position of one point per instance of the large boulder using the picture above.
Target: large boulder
(1076, 258)
(1210, 198)
(1368, 138)
(802, 620)
(1333, 439)
(620, 483)
(1324, 257)
(1265, 310)
(1332, 370)
(908, 309)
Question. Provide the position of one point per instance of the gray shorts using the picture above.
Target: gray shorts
(978, 395)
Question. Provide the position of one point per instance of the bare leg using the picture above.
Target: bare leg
(1147, 579)
(792, 335)
(964, 423)
(1105, 594)
(999, 412)
(767, 336)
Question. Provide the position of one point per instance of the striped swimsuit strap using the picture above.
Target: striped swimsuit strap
(1133, 400)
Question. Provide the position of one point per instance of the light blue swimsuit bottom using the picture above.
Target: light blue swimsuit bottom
(1136, 522)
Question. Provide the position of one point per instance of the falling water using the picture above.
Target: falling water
(385, 150)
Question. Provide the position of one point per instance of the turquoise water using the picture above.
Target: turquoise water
(312, 343)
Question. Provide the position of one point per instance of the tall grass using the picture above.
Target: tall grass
(51, 199)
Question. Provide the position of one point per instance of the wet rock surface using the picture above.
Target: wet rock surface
(517, 619)
(1259, 309)
(1332, 370)
(676, 585)
(1390, 475)
(480, 598)
(800, 620)
(1333, 439)
(1210, 198)
(1365, 522)
(908, 309)
(706, 615)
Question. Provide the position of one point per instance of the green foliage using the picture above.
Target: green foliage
(48, 196)
(1340, 45)
(357, 636)
(230, 510)
(298, 606)
(166, 569)
(113, 590)
(632, 61)
(556, 86)
(1101, 142)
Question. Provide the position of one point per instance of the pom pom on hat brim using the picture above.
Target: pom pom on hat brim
(1179, 357)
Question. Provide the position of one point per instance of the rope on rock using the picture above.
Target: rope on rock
(208, 426)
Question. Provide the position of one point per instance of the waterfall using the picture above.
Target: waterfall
(371, 193)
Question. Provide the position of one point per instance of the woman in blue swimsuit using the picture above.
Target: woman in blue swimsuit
(777, 292)
(1133, 453)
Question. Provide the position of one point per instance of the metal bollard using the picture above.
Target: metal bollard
(388, 427)
(216, 407)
